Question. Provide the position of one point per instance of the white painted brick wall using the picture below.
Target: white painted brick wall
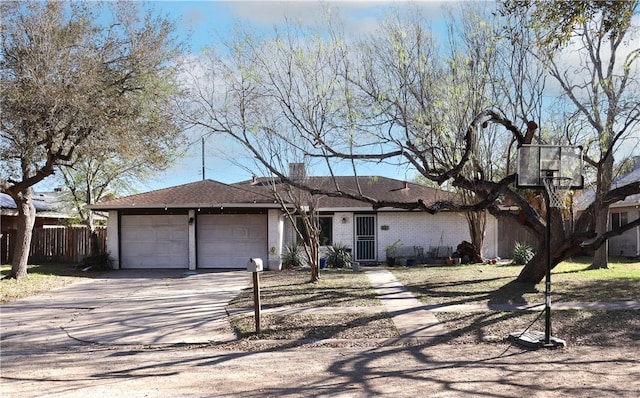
(413, 229)
(273, 216)
(113, 239)
(343, 232)
(421, 229)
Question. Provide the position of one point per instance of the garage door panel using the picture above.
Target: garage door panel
(229, 240)
(223, 261)
(241, 233)
(154, 241)
(164, 233)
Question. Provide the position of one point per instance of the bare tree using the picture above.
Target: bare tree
(474, 82)
(277, 98)
(599, 84)
(390, 97)
(66, 77)
(300, 205)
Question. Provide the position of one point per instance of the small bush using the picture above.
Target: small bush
(522, 253)
(339, 256)
(293, 257)
(98, 262)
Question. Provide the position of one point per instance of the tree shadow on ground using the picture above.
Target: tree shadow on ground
(512, 293)
(423, 369)
(597, 290)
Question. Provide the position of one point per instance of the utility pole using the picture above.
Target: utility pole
(203, 177)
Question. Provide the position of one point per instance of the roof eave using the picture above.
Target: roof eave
(185, 206)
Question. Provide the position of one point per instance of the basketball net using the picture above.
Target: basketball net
(557, 189)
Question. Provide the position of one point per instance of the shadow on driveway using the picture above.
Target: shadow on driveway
(144, 307)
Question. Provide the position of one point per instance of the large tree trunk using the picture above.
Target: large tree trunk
(535, 270)
(477, 221)
(94, 247)
(314, 250)
(26, 221)
(601, 255)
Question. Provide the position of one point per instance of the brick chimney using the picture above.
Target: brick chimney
(297, 171)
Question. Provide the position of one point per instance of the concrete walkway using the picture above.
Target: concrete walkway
(409, 315)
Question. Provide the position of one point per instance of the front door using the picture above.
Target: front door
(365, 237)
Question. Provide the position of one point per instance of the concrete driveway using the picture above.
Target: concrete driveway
(144, 307)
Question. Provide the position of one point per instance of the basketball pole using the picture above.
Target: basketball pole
(556, 168)
(547, 287)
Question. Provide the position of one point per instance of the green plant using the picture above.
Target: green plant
(522, 253)
(97, 262)
(393, 248)
(293, 256)
(339, 256)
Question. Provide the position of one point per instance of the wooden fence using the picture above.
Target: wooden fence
(62, 244)
(510, 232)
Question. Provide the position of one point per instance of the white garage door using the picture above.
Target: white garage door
(229, 240)
(154, 241)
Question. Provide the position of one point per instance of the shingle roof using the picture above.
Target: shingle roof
(201, 193)
(586, 197)
(49, 203)
(380, 188)
(257, 192)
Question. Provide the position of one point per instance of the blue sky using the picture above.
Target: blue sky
(203, 23)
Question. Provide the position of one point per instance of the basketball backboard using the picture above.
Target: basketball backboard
(562, 163)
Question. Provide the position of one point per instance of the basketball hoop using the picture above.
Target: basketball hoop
(557, 189)
(557, 169)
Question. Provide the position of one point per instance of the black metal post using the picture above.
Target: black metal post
(203, 177)
(256, 301)
(547, 290)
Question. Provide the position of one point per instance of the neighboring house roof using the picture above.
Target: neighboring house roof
(257, 193)
(586, 197)
(47, 204)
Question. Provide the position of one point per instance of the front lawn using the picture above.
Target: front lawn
(291, 288)
(40, 278)
(461, 284)
(494, 284)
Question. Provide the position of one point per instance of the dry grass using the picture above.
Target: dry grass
(464, 284)
(336, 288)
(40, 278)
(603, 328)
(494, 284)
(316, 326)
(291, 288)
